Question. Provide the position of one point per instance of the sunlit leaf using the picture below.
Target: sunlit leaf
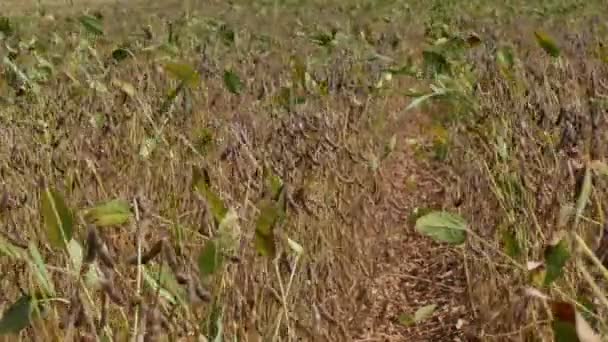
(556, 257)
(443, 227)
(114, 212)
(232, 82)
(547, 43)
(210, 259)
(126, 87)
(57, 217)
(296, 247)
(92, 24)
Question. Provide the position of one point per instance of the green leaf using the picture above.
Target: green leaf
(547, 43)
(114, 212)
(421, 314)
(202, 185)
(57, 217)
(443, 227)
(18, 316)
(183, 72)
(92, 24)
(555, 259)
(233, 82)
(39, 267)
(210, 259)
(510, 243)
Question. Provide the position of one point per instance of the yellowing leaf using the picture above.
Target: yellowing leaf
(547, 43)
(183, 72)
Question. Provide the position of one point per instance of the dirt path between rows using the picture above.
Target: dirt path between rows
(411, 270)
